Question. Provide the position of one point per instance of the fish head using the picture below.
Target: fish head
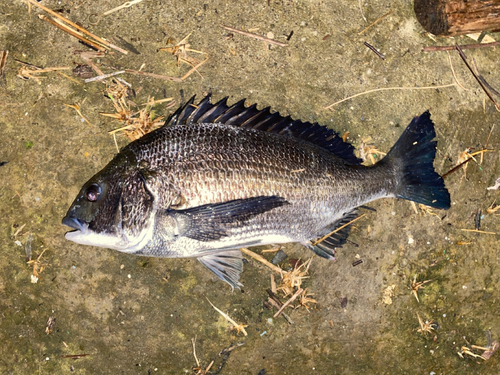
(113, 209)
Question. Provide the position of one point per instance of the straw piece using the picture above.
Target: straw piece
(72, 33)
(166, 78)
(105, 42)
(261, 259)
(272, 41)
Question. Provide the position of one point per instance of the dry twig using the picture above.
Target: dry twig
(491, 209)
(238, 327)
(454, 75)
(374, 22)
(297, 293)
(483, 86)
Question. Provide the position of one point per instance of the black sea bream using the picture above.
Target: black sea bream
(216, 178)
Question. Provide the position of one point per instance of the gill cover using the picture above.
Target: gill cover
(113, 208)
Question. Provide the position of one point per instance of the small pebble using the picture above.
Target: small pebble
(279, 257)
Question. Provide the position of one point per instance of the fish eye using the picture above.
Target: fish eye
(93, 192)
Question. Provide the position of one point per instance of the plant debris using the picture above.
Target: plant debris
(135, 124)
(305, 300)
(3, 61)
(374, 22)
(77, 108)
(238, 327)
(368, 151)
(251, 35)
(77, 31)
(49, 327)
(488, 350)
(128, 4)
(426, 327)
(462, 46)
(463, 158)
(180, 51)
(224, 354)
(292, 280)
(292, 298)
(388, 294)
(374, 50)
(29, 71)
(416, 286)
(37, 265)
(199, 370)
(496, 186)
(482, 82)
(387, 89)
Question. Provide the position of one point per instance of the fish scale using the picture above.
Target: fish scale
(305, 166)
(249, 177)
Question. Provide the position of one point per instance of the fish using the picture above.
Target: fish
(215, 178)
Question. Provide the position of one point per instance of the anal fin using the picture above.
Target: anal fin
(226, 265)
(326, 248)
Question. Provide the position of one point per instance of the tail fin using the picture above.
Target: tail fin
(412, 156)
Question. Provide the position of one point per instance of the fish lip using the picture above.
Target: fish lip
(75, 223)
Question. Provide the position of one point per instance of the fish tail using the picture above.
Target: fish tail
(412, 158)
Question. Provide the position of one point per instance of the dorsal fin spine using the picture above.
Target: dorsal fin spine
(262, 120)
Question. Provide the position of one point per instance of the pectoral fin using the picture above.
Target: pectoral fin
(212, 222)
(226, 265)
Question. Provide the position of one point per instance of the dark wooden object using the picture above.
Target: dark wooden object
(457, 17)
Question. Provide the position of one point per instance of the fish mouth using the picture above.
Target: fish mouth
(75, 223)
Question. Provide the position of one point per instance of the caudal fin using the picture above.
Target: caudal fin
(412, 156)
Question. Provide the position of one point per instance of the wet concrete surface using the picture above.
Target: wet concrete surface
(135, 315)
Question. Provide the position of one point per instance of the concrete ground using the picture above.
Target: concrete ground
(115, 313)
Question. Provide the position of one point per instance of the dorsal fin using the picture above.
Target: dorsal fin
(264, 120)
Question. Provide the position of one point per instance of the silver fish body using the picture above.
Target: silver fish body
(218, 178)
